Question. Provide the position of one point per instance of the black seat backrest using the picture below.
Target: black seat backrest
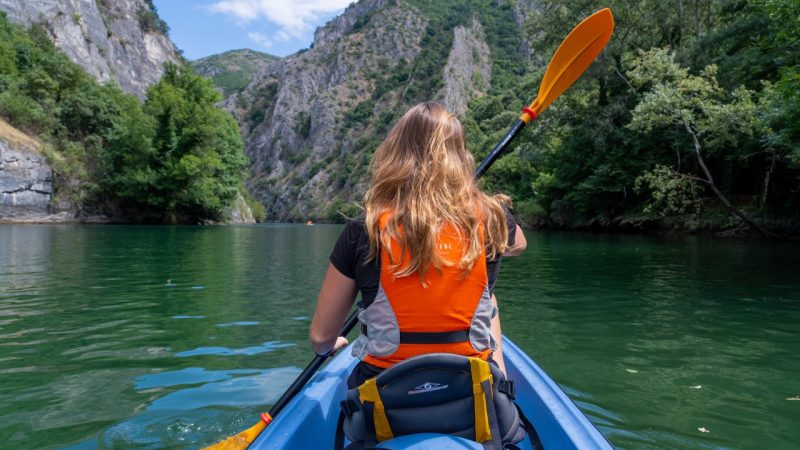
(431, 393)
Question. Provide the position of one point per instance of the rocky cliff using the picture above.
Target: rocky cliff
(312, 120)
(123, 40)
(468, 72)
(26, 181)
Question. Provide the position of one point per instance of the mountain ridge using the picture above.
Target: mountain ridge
(232, 70)
(311, 120)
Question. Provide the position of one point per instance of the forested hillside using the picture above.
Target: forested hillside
(233, 70)
(690, 119)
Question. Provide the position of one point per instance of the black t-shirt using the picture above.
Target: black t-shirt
(350, 253)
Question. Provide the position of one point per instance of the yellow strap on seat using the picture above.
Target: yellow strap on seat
(480, 373)
(368, 392)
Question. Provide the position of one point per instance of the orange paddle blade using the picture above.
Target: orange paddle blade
(573, 56)
(243, 439)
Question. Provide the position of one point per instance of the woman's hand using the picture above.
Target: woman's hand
(341, 342)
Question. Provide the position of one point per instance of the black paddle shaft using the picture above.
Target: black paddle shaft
(500, 148)
(309, 371)
(351, 321)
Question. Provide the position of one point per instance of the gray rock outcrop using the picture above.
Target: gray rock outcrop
(522, 13)
(26, 181)
(110, 39)
(240, 212)
(468, 71)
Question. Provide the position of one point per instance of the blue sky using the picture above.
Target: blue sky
(279, 27)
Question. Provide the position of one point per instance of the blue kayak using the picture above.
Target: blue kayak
(309, 421)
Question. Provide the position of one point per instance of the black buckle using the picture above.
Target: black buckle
(507, 387)
(348, 407)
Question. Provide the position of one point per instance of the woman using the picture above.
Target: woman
(425, 257)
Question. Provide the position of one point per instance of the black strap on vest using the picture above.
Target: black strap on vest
(338, 439)
(420, 337)
(494, 425)
(535, 441)
(443, 337)
(348, 407)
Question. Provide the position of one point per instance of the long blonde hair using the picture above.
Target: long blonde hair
(423, 174)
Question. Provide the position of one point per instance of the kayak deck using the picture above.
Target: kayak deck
(310, 419)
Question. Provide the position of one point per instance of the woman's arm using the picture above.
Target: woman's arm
(497, 335)
(520, 244)
(335, 300)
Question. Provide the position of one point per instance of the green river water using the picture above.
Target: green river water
(154, 337)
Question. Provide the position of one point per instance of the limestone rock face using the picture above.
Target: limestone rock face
(341, 25)
(240, 212)
(468, 72)
(292, 114)
(26, 181)
(110, 39)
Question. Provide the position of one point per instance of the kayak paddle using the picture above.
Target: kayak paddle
(573, 56)
(576, 52)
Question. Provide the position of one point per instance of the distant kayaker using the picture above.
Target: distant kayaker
(425, 257)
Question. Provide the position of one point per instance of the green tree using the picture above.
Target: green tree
(197, 150)
(583, 163)
(696, 109)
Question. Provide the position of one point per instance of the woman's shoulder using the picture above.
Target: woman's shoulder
(349, 248)
(355, 225)
(354, 232)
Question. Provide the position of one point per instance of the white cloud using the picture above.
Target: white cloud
(260, 39)
(295, 18)
(283, 36)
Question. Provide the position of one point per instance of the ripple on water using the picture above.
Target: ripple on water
(188, 376)
(237, 324)
(199, 413)
(225, 351)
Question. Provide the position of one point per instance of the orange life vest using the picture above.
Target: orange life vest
(452, 314)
